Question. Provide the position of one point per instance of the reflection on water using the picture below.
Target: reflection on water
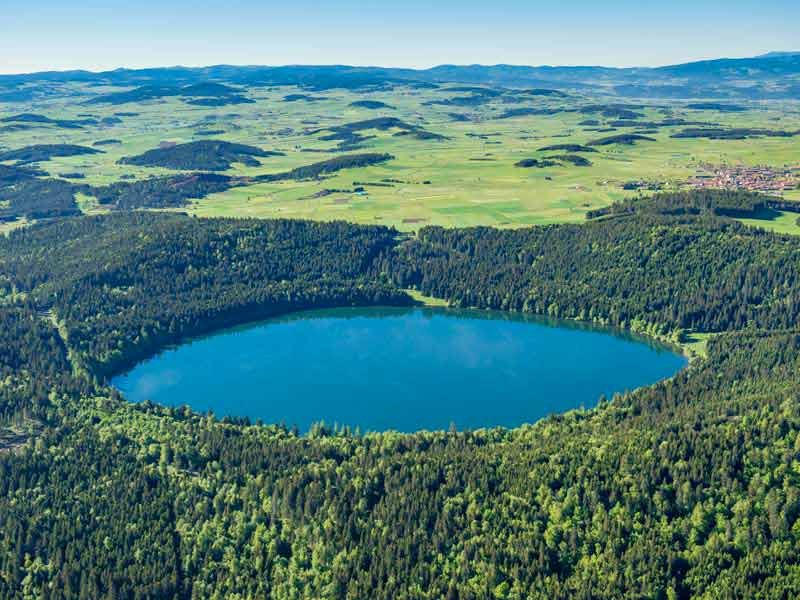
(406, 369)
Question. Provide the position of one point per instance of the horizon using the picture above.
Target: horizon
(398, 67)
(97, 37)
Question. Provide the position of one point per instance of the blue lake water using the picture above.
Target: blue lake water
(404, 369)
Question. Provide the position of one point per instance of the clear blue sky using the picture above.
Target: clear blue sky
(92, 34)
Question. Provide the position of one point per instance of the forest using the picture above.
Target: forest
(573, 159)
(24, 194)
(624, 138)
(37, 119)
(197, 91)
(733, 133)
(658, 274)
(36, 198)
(729, 203)
(718, 106)
(43, 152)
(370, 104)
(160, 192)
(350, 137)
(567, 148)
(331, 165)
(685, 489)
(204, 155)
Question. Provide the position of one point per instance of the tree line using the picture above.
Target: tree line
(662, 274)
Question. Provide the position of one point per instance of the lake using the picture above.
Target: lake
(403, 369)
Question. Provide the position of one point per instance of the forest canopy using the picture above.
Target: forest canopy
(203, 155)
(687, 488)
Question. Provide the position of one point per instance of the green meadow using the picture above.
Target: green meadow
(468, 178)
(781, 222)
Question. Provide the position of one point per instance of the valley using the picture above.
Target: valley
(455, 149)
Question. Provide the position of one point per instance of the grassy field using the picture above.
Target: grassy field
(696, 345)
(784, 222)
(470, 178)
(427, 300)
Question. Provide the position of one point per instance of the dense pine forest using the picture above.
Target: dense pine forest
(689, 488)
(169, 277)
(663, 274)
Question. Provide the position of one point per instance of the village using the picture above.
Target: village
(752, 178)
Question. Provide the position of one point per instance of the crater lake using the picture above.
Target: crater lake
(402, 369)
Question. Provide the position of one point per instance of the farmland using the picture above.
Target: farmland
(454, 149)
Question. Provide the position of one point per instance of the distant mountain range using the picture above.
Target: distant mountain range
(773, 75)
(774, 54)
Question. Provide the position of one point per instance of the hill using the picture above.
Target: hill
(684, 489)
(203, 155)
(775, 75)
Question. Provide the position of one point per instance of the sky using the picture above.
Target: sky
(39, 35)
